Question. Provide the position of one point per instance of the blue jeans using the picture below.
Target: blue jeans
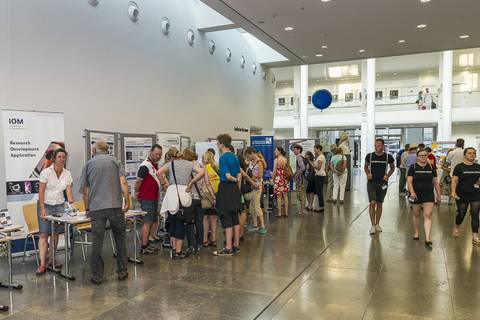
(195, 230)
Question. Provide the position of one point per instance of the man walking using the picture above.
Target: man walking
(299, 178)
(147, 188)
(376, 165)
(102, 183)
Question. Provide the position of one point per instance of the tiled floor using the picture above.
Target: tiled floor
(309, 267)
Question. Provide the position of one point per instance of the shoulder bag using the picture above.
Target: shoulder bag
(185, 214)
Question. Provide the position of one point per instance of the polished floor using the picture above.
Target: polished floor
(316, 266)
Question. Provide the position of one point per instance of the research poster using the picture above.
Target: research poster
(202, 147)
(184, 143)
(168, 140)
(108, 137)
(265, 144)
(136, 150)
(29, 138)
(307, 145)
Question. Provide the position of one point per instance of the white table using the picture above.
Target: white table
(80, 218)
(7, 232)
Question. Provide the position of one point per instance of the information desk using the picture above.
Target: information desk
(80, 218)
(5, 236)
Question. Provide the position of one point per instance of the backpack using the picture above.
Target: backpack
(339, 168)
(309, 174)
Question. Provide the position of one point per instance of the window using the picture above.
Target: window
(335, 98)
(393, 94)
(291, 101)
(309, 99)
(378, 95)
(348, 97)
(281, 101)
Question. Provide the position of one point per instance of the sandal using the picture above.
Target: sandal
(206, 243)
(476, 242)
(41, 270)
(456, 233)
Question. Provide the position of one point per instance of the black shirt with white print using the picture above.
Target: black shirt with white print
(422, 178)
(468, 186)
(378, 165)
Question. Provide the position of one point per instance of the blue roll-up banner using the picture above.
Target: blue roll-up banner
(265, 144)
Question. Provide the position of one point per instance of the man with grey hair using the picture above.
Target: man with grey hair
(102, 183)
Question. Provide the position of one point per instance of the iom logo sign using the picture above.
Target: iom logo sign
(15, 121)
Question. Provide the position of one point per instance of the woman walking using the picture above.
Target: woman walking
(422, 181)
(466, 190)
(281, 185)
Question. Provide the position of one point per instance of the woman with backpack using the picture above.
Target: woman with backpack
(282, 174)
(421, 181)
(338, 165)
(310, 178)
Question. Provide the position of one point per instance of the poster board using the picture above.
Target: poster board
(135, 149)
(202, 147)
(239, 145)
(307, 145)
(168, 140)
(185, 143)
(266, 145)
(28, 146)
(92, 136)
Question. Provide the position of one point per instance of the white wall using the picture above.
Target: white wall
(104, 72)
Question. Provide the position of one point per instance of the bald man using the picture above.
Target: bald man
(106, 198)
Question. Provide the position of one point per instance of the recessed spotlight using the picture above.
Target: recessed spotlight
(319, 55)
(425, 1)
(361, 50)
(464, 36)
(324, 46)
(325, 0)
(288, 28)
(401, 41)
(421, 26)
(304, 57)
(394, 73)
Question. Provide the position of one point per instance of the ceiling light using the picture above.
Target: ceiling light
(324, 46)
(421, 26)
(304, 57)
(288, 29)
(401, 41)
(425, 1)
(361, 50)
(319, 55)
(464, 36)
(394, 73)
(325, 0)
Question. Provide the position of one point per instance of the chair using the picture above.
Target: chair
(31, 219)
(83, 230)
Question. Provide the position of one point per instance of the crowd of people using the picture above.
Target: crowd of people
(192, 195)
(459, 183)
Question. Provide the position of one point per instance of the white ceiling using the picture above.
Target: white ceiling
(346, 26)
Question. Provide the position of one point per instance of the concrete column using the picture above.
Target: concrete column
(297, 94)
(304, 101)
(446, 97)
(368, 104)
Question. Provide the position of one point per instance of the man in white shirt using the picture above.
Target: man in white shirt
(320, 175)
(456, 156)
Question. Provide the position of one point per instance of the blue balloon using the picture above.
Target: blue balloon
(322, 99)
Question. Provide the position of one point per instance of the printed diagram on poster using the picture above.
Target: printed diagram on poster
(184, 143)
(136, 150)
(109, 138)
(168, 140)
(28, 149)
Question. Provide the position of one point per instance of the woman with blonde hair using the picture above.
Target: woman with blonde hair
(179, 187)
(211, 180)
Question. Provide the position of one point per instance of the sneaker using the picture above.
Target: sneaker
(122, 276)
(179, 255)
(252, 228)
(377, 228)
(224, 252)
(166, 245)
(148, 250)
(198, 249)
(372, 230)
(262, 230)
(236, 250)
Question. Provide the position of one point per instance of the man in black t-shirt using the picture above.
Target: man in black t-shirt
(376, 166)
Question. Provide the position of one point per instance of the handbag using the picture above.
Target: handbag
(185, 214)
(288, 172)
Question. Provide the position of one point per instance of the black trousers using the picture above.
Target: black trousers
(462, 208)
(319, 183)
(116, 218)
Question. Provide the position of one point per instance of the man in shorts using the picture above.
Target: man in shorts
(147, 188)
(376, 165)
(229, 197)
